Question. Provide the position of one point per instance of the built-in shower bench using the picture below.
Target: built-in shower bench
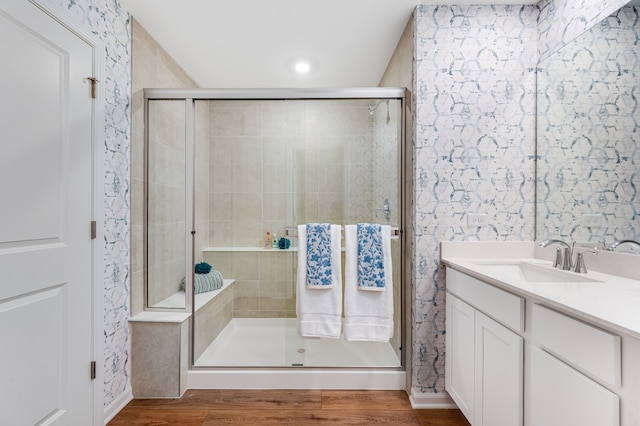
(160, 340)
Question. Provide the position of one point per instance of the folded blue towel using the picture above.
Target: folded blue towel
(370, 256)
(319, 254)
(205, 282)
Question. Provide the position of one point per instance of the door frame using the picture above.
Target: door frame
(97, 202)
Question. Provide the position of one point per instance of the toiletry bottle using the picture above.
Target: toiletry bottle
(274, 241)
(267, 240)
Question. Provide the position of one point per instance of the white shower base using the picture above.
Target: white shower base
(270, 344)
(274, 342)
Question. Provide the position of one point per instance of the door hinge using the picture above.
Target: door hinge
(94, 89)
(94, 229)
(93, 370)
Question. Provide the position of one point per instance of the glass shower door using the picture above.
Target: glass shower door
(269, 165)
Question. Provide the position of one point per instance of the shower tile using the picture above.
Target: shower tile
(310, 210)
(220, 261)
(220, 177)
(333, 150)
(245, 297)
(246, 266)
(283, 119)
(279, 150)
(239, 120)
(202, 180)
(276, 179)
(331, 178)
(272, 266)
(248, 234)
(220, 233)
(246, 207)
(247, 177)
(220, 207)
(331, 207)
(247, 151)
(277, 206)
(221, 148)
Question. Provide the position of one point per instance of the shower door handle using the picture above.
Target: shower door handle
(386, 209)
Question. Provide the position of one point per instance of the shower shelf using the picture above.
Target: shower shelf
(244, 249)
(250, 249)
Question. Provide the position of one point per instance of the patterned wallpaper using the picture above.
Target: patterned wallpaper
(474, 149)
(111, 24)
(588, 135)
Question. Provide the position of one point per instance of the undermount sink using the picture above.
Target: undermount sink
(523, 271)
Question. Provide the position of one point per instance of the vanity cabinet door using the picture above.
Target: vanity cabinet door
(460, 354)
(561, 396)
(499, 363)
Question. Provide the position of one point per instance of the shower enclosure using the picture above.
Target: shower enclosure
(224, 167)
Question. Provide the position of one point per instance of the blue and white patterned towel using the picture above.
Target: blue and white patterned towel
(370, 256)
(319, 271)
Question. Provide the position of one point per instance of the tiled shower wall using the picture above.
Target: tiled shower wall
(474, 145)
(275, 164)
(589, 136)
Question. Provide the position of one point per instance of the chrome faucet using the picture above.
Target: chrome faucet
(563, 253)
(615, 244)
(580, 267)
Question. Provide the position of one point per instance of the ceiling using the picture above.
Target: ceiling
(255, 43)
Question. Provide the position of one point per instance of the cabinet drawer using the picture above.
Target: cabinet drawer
(590, 349)
(501, 305)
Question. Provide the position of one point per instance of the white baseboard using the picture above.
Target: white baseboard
(295, 379)
(431, 400)
(117, 405)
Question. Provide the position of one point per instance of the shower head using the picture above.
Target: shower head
(372, 107)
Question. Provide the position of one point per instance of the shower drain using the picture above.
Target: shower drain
(301, 351)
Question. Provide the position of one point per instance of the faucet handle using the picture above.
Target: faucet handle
(580, 267)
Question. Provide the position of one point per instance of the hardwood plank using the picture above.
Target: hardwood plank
(311, 417)
(148, 416)
(376, 400)
(441, 418)
(228, 399)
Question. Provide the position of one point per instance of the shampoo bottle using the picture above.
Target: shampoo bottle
(267, 240)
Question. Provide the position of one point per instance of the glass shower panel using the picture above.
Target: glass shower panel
(266, 166)
(166, 197)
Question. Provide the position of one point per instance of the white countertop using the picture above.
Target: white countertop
(612, 301)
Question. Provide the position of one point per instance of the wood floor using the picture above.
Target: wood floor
(283, 407)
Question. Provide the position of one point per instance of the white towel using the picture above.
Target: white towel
(368, 315)
(319, 309)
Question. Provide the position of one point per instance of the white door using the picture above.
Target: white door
(45, 213)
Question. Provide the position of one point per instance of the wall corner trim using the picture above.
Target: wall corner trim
(111, 410)
(431, 400)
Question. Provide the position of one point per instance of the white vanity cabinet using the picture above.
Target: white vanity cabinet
(484, 357)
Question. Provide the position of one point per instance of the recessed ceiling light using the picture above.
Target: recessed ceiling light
(302, 67)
